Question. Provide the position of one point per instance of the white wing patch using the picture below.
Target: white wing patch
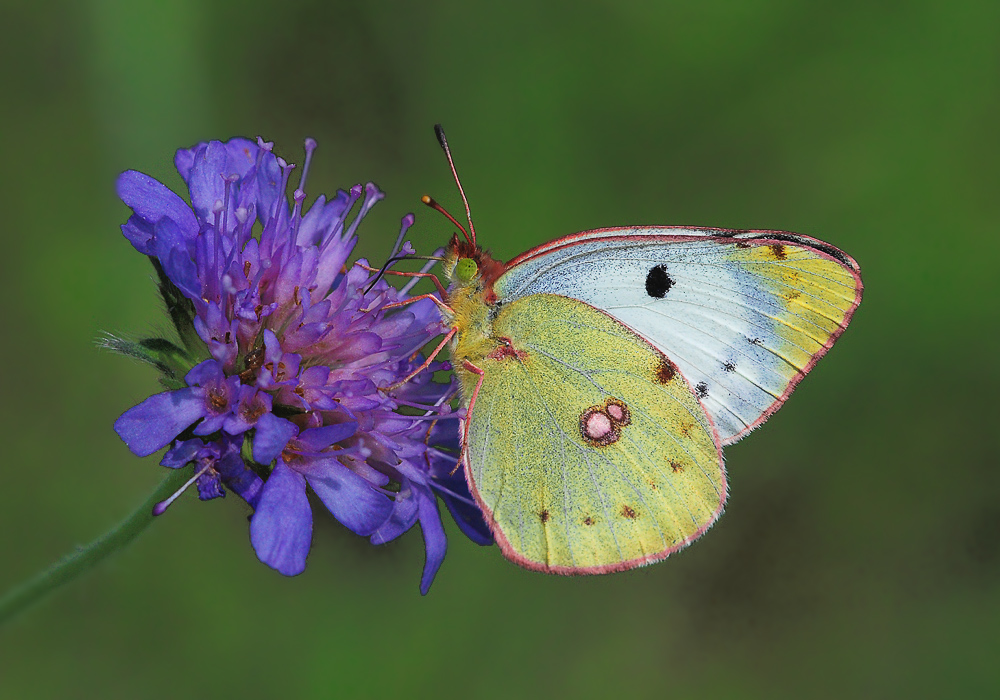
(743, 315)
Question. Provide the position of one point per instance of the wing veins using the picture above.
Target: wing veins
(586, 375)
(566, 439)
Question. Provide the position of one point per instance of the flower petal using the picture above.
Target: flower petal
(151, 200)
(159, 419)
(281, 526)
(181, 454)
(210, 486)
(139, 233)
(241, 480)
(464, 510)
(318, 438)
(182, 271)
(210, 164)
(351, 499)
(435, 542)
(404, 514)
(470, 521)
(272, 435)
(206, 372)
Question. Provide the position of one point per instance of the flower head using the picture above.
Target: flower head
(279, 383)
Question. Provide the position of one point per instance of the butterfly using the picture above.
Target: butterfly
(602, 374)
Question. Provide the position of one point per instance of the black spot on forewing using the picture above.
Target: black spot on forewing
(658, 282)
(729, 367)
(701, 388)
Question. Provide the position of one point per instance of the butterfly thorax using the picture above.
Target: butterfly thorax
(472, 300)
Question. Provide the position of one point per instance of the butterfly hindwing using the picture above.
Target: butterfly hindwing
(588, 451)
(744, 315)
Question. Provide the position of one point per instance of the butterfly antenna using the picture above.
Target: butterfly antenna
(382, 272)
(439, 132)
(438, 208)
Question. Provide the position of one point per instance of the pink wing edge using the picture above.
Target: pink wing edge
(723, 235)
(509, 552)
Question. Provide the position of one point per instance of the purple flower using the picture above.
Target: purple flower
(279, 382)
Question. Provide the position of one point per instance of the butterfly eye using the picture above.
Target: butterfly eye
(466, 269)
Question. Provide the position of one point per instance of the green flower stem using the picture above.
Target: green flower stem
(73, 565)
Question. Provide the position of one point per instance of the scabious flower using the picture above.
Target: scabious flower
(282, 380)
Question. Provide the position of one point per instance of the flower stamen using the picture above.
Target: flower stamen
(162, 506)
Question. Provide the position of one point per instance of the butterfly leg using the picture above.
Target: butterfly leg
(481, 373)
(427, 362)
(431, 276)
(444, 307)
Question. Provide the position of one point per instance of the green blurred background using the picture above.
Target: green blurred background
(860, 554)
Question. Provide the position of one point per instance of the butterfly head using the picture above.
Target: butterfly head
(470, 268)
(465, 269)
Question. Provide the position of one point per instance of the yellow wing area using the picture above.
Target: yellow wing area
(744, 314)
(588, 451)
(816, 295)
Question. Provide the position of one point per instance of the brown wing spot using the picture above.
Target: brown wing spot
(544, 516)
(618, 412)
(588, 520)
(665, 371)
(793, 295)
(686, 429)
(629, 512)
(778, 251)
(505, 349)
(676, 467)
(742, 244)
(602, 425)
(652, 485)
(597, 427)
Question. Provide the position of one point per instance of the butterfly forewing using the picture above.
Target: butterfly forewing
(744, 315)
(588, 450)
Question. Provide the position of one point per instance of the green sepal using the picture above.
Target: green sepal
(172, 361)
(246, 452)
(182, 312)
